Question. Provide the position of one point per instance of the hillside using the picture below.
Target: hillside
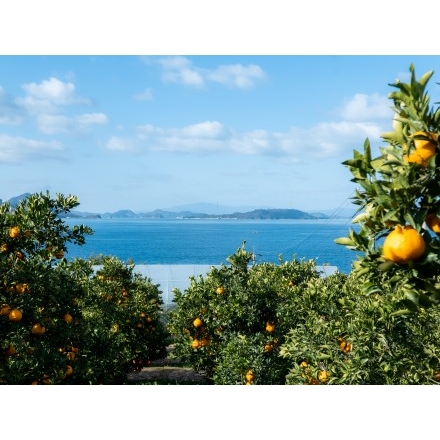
(255, 214)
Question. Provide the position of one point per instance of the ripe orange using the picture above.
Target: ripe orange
(14, 232)
(38, 329)
(68, 318)
(323, 376)
(303, 364)
(10, 351)
(195, 343)
(250, 376)
(344, 345)
(433, 223)
(403, 244)
(69, 370)
(197, 322)
(220, 290)
(270, 327)
(268, 347)
(5, 309)
(15, 315)
(425, 148)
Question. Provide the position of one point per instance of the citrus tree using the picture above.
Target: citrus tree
(62, 322)
(346, 336)
(38, 308)
(123, 327)
(231, 323)
(398, 196)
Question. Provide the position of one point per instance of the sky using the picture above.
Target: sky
(147, 114)
(147, 132)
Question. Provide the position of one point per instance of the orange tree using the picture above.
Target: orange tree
(123, 326)
(60, 322)
(37, 307)
(346, 336)
(399, 203)
(231, 323)
(379, 324)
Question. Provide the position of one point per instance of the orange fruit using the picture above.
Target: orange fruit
(425, 148)
(10, 351)
(68, 318)
(195, 343)
(70, 356)
(344, 346)
(403, 244)
(4, 248)
(69, 370)
(303, 364)
(14, 232)
(15, 315)
(433, 223)
(268, 347)
(5, 309)
(270, 327)
(220, 290)
(250, 376)
(38, 329)
(197, 322)
(323, 376)
(205, 342)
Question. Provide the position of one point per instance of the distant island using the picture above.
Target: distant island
(255, 214)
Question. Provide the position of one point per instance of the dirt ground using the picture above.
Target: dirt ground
(167, 369)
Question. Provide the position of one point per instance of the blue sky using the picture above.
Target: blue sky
(146, 132)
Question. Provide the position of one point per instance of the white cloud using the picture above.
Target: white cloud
(52, 124)
(180, 69)
(237, 75)
(146, 95)
(54, 91)
(208, 129)
(19, 149)
(367, 108)
(120, 144)
(328, 139)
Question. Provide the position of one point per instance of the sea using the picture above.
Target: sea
(212, 241)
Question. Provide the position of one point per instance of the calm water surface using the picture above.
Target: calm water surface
(211, 241)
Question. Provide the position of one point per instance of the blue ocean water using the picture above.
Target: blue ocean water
(181, 241)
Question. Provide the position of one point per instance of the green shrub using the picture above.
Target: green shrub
(73, 326)
(357, 338)
(235, 317)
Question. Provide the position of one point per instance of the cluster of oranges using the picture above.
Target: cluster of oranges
(202, 339)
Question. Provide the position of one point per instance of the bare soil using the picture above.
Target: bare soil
(168, 369)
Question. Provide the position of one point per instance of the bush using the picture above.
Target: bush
(347, 336)
(234, 318)
(60, 322)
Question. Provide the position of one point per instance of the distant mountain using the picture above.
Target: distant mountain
(269, 214)
(213, 208)
(207, 211)
(14, 201)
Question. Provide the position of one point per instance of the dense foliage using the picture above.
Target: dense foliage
(59, 321)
